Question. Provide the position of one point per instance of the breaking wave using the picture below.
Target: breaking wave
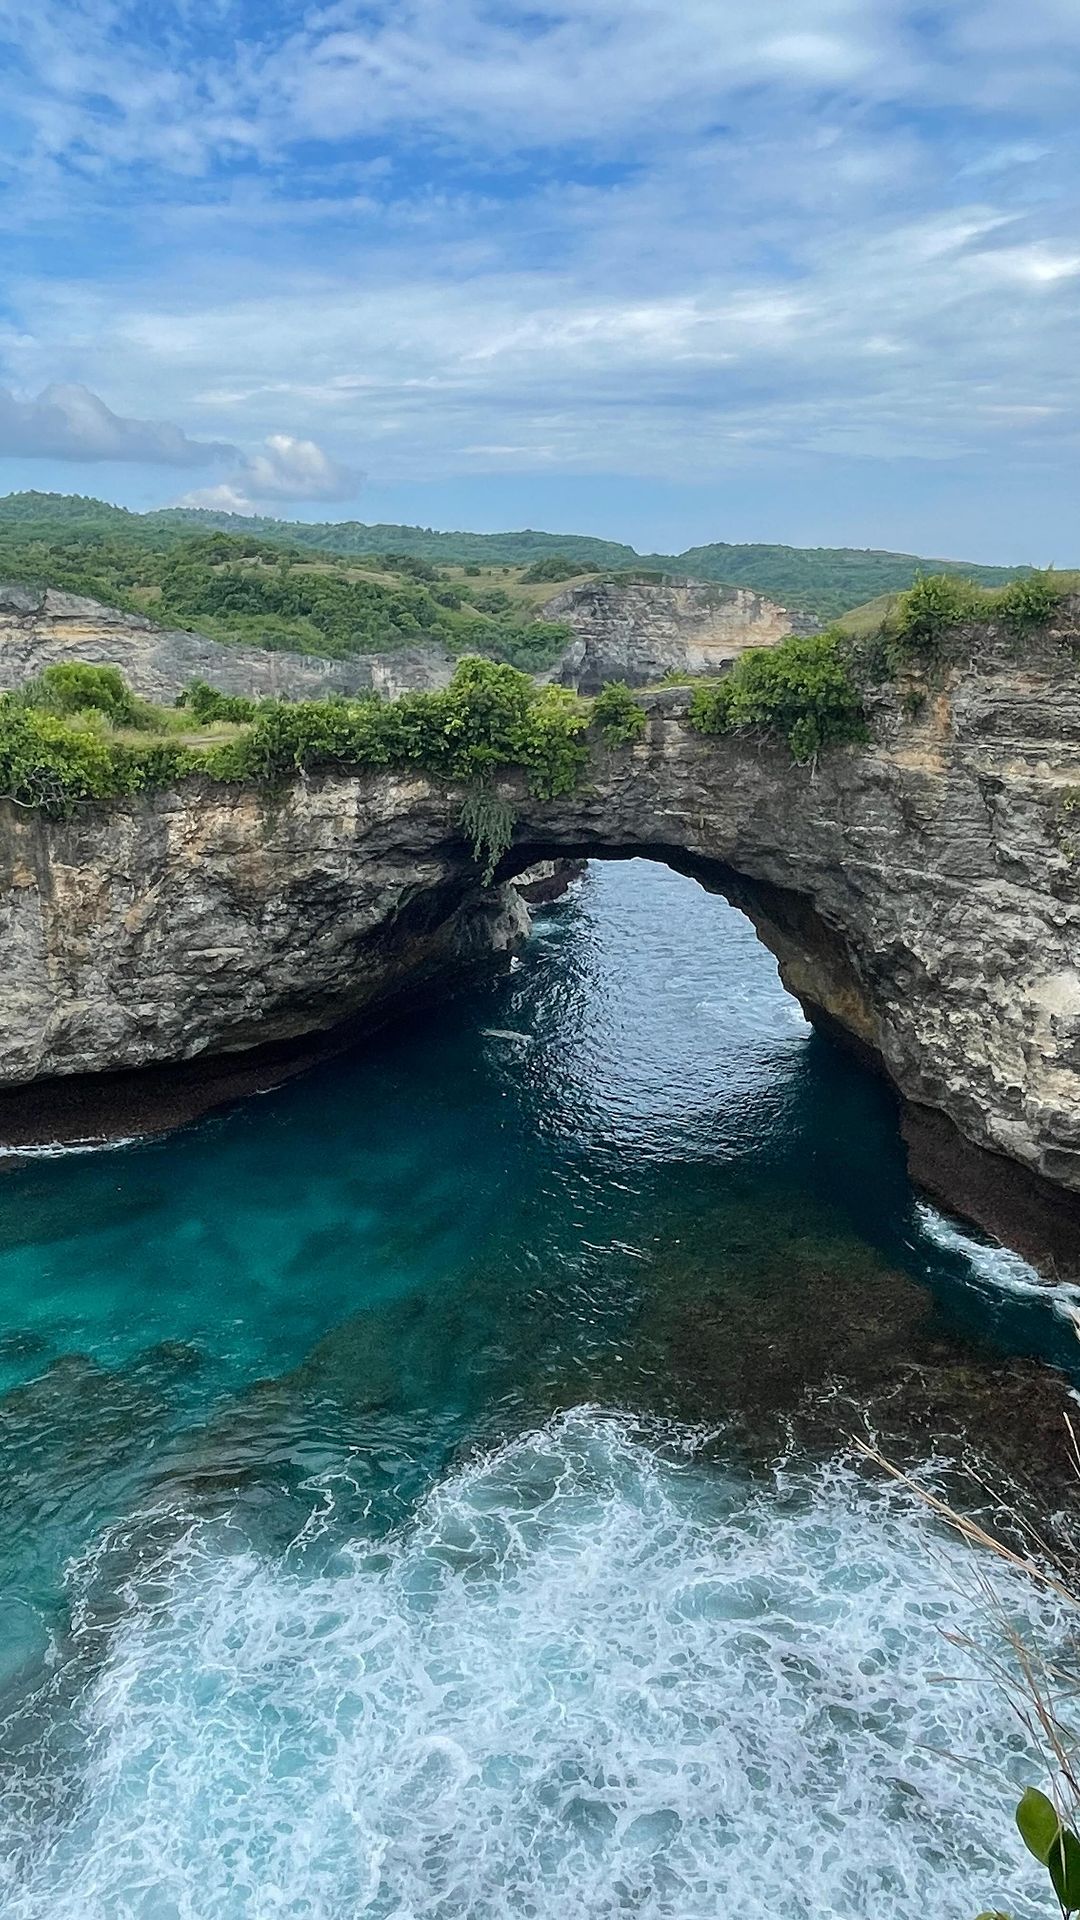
(595, 1676)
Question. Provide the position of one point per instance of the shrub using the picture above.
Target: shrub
(800, 691)
(489, 717)
(617, 716)
(151, 768)
(1030, 602)
(929, 612)
(532, 647)
(48, 764)
(555, 566)
(493, 716)
(205, 704)
(73, 686)
(488, 823)
(552, 752)
(492, 600)
(305, 735)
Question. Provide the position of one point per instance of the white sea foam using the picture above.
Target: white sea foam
(593, 1679)
(60, 1149)
(997, 1266)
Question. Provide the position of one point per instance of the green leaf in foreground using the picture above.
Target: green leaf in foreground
(1064, 1865)
(1037, 1819)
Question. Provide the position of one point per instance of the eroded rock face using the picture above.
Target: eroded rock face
(922, 895)
(641, 630)
(40, 627)
(636, 631)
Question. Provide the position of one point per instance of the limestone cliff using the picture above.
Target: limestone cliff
(631, 630)
(639, 630)
(40, 627)
(922, 893)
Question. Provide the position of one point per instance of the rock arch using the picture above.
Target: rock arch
(920, 896)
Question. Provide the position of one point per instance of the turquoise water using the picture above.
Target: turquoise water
(418, 1499)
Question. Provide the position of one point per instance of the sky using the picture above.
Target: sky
(784, 270)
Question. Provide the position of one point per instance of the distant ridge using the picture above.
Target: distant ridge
(826, 581)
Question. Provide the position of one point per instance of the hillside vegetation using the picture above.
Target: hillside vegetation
(240, 589)
(88, 540)
(827, 581)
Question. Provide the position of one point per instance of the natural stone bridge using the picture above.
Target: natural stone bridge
(922, 896)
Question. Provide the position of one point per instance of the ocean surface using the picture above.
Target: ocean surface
(427, 1488)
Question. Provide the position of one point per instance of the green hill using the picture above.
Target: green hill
(63, 537)
(822, 580)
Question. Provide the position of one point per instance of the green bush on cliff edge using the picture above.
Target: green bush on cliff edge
(51, 763)
(928, 618)
(490, 716)
(67, 738)
(801, 692)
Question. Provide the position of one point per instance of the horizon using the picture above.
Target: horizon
(796, 274)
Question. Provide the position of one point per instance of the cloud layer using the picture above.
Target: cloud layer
(71, 423)
(455, 237)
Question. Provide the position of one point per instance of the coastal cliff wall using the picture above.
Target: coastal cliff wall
(922, 895)
(640, 630)
(42, 626)
(630, 630)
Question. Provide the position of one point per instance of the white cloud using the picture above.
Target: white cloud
(106, 93)
(71, 423)
(282, 468)
(286, 468)
(221, 499)
(1034, 266)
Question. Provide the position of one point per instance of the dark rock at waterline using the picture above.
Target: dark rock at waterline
(549, 880)
(845, 1347)
(94, 1109)
(1040, 1221)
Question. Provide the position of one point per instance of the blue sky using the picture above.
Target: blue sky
(796, 270)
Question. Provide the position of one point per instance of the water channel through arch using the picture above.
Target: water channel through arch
(439, 1456)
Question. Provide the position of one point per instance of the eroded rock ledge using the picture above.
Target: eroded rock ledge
(922, 896)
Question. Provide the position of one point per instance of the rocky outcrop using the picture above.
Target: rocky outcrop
(632, 630)
(640, 630)
(40, 627)
(922, 895)
(548, 880)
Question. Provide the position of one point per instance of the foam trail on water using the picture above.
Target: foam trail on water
(60, 1149)
(997, 1266)
(594, 1678)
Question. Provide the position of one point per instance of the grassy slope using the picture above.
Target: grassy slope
(242, 590)
(871, 615)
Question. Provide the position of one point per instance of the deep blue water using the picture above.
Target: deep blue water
(403, 1514)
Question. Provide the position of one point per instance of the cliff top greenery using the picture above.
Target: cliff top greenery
(78, 733)
(92, 547)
